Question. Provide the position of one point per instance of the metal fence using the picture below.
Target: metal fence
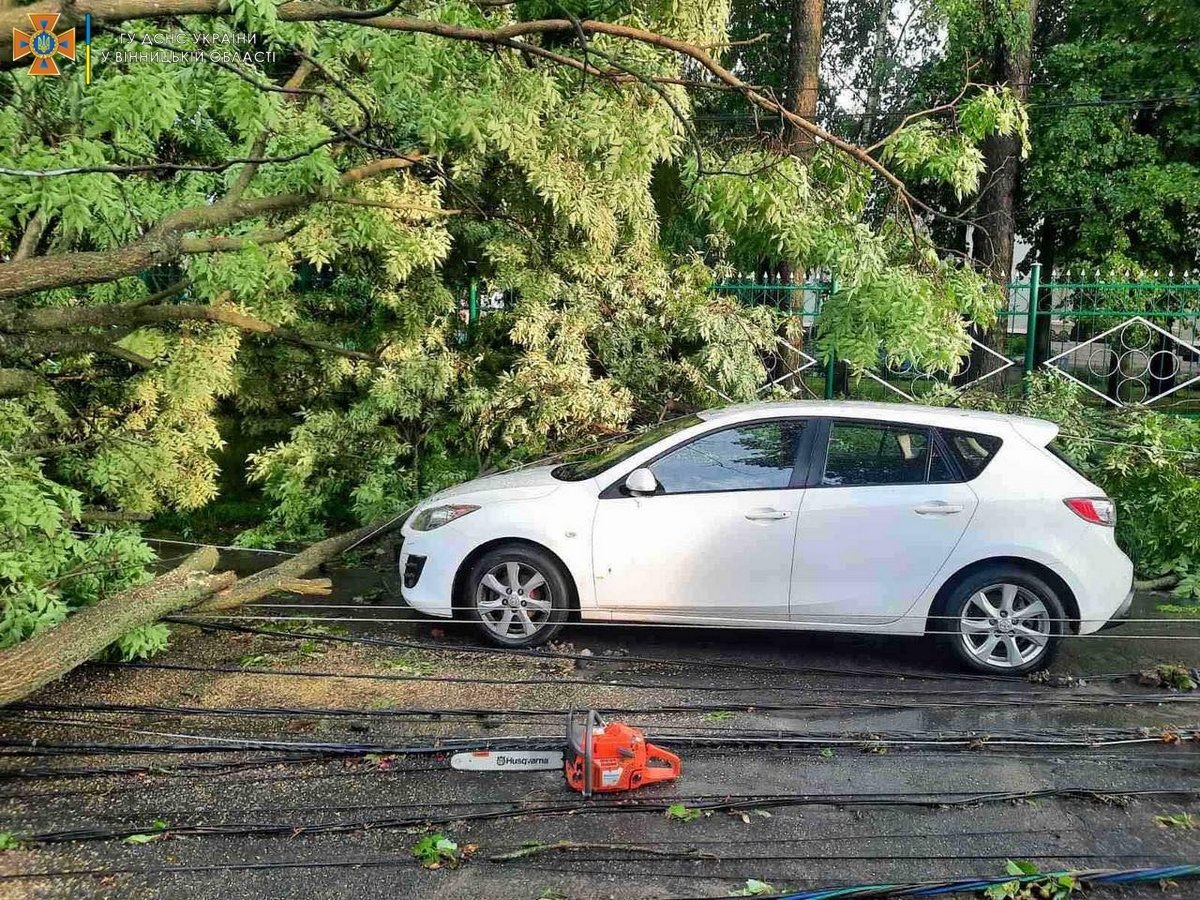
(1126, 340)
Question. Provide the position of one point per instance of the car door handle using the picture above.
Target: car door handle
(767, 514)
(937, 508)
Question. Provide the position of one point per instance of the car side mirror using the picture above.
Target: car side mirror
(641, 481)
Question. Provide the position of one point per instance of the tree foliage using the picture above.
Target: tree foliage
(1115, 180)
(46, 571)
(250, 275)
(277, 252)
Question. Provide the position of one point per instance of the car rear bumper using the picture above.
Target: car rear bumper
(1122, 613)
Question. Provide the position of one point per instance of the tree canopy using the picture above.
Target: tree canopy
(1114, 179)
(258, 259)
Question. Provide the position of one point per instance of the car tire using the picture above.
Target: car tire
(1002, 620)
(517, 595)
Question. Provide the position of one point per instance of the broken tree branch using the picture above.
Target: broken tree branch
(109, 516)
(50, 324)
(52, 653)
(278, 576)
(16, 382)
(165, 241)
(569, 846)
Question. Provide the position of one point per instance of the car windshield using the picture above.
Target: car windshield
(591, 462)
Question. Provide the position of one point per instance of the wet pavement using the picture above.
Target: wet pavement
(249, 765)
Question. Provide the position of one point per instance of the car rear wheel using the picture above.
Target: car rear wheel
(1003, 621)
(517, 595)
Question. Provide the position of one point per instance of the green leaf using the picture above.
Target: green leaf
(436, 850)
(680, 813)
(160, 829)
(1006, 891)
(1177, 820)
(753, 888)
(1020, 867)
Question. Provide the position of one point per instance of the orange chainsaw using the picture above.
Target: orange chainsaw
(599, 757)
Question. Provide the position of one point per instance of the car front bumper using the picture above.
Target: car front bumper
(427, 566)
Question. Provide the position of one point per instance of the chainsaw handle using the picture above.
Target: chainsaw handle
(671, 770)
(580, 739)
(583, 744)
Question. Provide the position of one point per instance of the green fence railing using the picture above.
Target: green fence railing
(1125, 339)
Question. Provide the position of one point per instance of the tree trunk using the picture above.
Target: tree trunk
(803, 70)
(53, 653)
(1163, 365)
(1047, 255)
(281, 577)
(15, 382)
(995, 232)
(870, 127)
(800, 87)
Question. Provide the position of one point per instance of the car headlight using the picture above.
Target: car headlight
(437, 516)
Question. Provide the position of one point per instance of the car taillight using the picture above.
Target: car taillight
(1097, 510)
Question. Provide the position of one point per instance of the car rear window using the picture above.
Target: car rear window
(973, 451)
(1064, 456)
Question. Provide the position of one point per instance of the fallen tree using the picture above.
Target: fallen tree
(52, 653)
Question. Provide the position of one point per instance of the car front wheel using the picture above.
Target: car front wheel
(1003, 621)
(517, 595)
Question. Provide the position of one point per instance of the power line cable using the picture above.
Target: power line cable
(406, 861)
(155, 540)
(1087, 737)
(710, 622)
(524, 809)
(437, 713)
(542, 653)
(597, 683)
(941, 889)
(602, 682)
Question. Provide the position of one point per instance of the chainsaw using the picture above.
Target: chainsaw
(598, 757)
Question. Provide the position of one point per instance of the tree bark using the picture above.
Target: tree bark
(53, 653)
(113, 515)
(802, 84)
(16, 382)
(36, 662)
(278, 576)
(870, 127)
(800, 88)
(995, 225)
(1047, 255)
(47, 322)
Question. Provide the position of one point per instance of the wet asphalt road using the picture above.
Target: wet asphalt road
(893, 766)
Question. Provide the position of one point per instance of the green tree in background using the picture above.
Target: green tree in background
(1114, 177)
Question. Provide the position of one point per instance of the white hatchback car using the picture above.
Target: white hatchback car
(881, 518)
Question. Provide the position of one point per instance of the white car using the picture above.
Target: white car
(840, 516)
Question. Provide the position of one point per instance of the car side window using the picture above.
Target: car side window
(861, 454)
(974, 451)
(757, 456)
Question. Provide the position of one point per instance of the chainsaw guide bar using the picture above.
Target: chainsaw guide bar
(508, 761)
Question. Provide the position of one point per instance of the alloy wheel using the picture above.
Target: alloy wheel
(1005, 626)
(514, 600)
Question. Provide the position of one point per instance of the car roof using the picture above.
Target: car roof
(1036, 430)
